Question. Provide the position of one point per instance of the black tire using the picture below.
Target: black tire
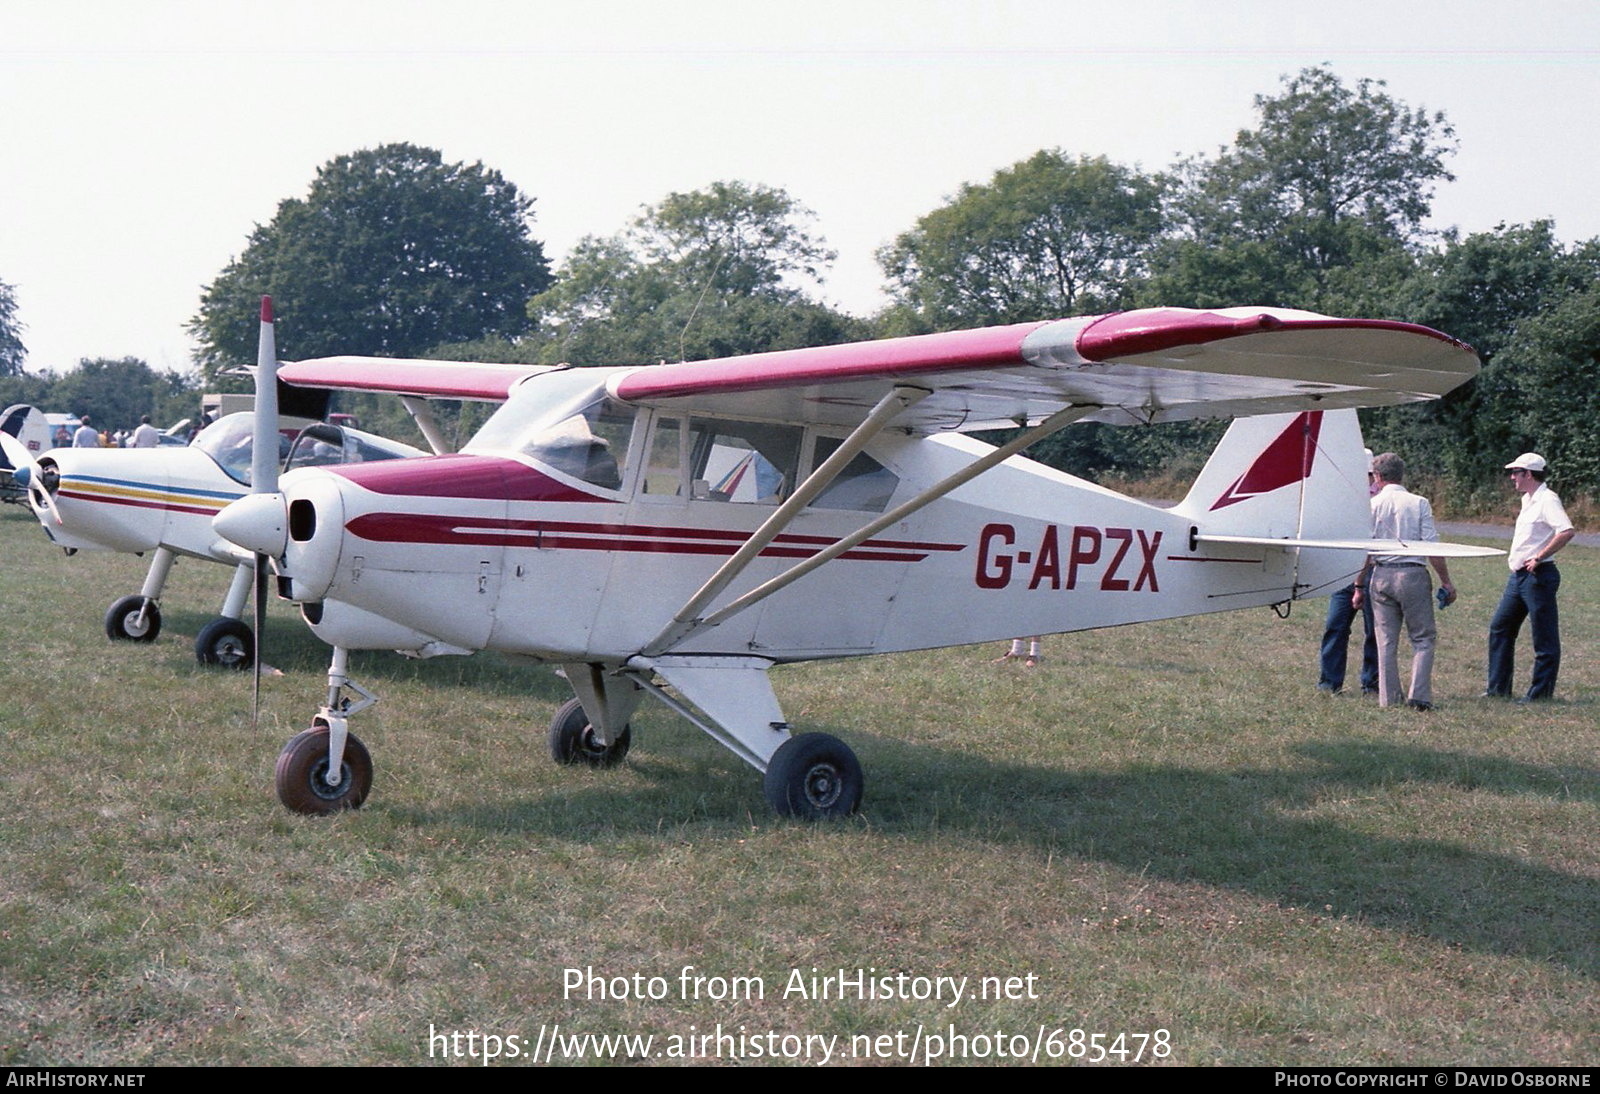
(814, 776)
(226, 642)
(303, 765)
(572, 739)
(122, 620)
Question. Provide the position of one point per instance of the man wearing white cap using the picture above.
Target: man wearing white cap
(1542, 530)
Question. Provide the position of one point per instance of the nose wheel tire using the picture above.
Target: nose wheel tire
(123, 623)
(226, 642)
(572, 739)
(302, 774)
(813, 776)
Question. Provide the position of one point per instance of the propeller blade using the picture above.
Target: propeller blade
(264, 475)
(264, 455)
(261, 634)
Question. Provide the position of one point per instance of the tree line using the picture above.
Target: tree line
(1322, 205)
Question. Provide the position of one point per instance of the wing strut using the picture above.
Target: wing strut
(898, 399)
(422, 414)
(1059, 420)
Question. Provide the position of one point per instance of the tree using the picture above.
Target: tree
(1485, 289)
(393, 251)
(1323, 158)
(116, 393)
(1559, 379)
(12, 351)
(1332, 180)
(1049, 236)
(710, 273)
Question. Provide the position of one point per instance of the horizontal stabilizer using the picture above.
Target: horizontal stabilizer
(1371, 546)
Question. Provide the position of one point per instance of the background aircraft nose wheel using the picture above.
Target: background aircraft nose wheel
(814, 775)
(572, 739)
(302, 774)
(228, 642)
(124, 625)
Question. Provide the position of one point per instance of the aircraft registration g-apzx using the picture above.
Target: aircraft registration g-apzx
(676, 530)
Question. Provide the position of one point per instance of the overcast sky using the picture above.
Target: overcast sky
(143, 140)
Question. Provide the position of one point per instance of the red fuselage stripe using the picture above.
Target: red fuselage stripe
(444, 529)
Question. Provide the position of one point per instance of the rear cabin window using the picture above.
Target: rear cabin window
(864, 484)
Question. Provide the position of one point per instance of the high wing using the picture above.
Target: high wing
(469, 380)
(1154, 365)
(1126, 368)
(414, 381)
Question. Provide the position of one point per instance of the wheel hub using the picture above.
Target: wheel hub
(823, 785)
(323, 788)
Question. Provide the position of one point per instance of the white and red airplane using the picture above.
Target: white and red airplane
(162, 500)
(688, 526)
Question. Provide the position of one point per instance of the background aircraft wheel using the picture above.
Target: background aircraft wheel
(572, 739)
(302, 771)
(228, 642)
(814, 775)
(122, 620)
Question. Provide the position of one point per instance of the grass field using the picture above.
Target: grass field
(1165, 826)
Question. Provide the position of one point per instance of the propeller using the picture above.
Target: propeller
(263, 477)
(27, 474)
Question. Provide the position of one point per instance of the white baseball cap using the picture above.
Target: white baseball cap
(1528, 461)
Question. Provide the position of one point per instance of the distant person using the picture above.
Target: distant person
(1034, 656)
(1336, 631)
(146, 435)
(1542, 530)
(1399, 588)
(85, 437)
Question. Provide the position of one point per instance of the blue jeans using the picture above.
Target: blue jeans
(1336, 642)
(1531, 597)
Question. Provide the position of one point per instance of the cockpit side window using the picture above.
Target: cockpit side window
(736, 461)
(230, 440)
(591, 445)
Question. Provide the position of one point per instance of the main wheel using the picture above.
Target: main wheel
(572, 739)
(227, 642)
(302, 774)
(124, 625)
(814, 776)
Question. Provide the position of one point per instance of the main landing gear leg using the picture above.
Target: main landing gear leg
(138, 618)
(327, 769)
(813, 776)
(228, 639)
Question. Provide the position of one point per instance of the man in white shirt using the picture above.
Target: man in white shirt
(146, 436)
(85, 436)
(1399, 588)
(1542, 530)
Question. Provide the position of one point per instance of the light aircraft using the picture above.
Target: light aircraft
(162, 500)
(687, 526)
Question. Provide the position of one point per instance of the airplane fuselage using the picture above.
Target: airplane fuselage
(505, 550)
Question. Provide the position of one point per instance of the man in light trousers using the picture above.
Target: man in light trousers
(1399, 588)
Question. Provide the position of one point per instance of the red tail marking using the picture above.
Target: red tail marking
(1287, 460)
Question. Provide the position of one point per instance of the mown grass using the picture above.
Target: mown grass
(1166, 825)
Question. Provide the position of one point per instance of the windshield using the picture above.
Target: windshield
(323, 444)
(567, 422)
(230, 440)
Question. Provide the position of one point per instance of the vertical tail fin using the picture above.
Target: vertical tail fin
(1300, 475)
